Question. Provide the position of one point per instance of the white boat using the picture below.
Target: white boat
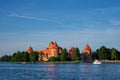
(22, 62)
(96, 62)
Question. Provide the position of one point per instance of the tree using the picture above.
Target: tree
(77, 54)
(20, 57)
(101, 56)
(118, 53)
(104, 53)
(54, 58)
(33, 56)
(95, 55)
(101, 52)
(63, 56)
(25, 56)
(114, 54)
(13, 57)
(5, 58)
(17, 57)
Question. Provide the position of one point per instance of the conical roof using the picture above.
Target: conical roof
(71, 49)
(87, 47)
(30, 49)
(53, 45)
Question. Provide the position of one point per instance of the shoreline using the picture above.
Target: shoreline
(59, 62)
(67, 62)
(52, 62)
(110, 61)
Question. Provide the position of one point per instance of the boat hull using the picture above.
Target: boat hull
(96, 62)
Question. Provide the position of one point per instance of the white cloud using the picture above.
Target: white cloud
(27, 17)
(34, 18)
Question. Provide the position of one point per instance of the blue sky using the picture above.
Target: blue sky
(68, 22)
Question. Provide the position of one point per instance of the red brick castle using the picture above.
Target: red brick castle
(54, 50)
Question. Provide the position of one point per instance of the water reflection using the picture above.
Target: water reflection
(82, 71)
(87, 67)
(51, 72)
(51, 68)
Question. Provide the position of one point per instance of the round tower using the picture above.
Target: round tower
(54, 49)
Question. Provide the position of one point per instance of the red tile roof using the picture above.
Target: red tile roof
(30, 49)
(53, 45)
(87, 47)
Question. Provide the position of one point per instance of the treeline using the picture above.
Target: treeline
(20, 57)
(102, 53)
(5, 58)
(34, 56)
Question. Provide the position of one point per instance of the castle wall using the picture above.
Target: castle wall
(87, 51)
(54, 52)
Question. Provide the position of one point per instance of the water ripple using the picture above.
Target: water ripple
(82, 71)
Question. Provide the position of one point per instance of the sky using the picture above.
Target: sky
(35, 23)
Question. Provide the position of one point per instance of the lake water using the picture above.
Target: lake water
(81, 71)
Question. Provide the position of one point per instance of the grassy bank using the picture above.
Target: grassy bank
(66, 62)
(110, 61)
(49, 62)
(60, 62)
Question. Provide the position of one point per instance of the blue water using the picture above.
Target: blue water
(81, 71)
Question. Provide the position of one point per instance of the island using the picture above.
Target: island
(56, 54)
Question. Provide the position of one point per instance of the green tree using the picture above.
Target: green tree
(25, 56)
(54, 58)
(114, 54)
(33, 56)
(95, 55)
(101, 56)
(118, 53)
(63, 56)
(77, 54)
(104, 53)
(20, 57)
(13, 59)
(40, 55)
(5, 58)
(16, 57)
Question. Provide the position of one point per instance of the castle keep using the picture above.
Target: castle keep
(53, 50)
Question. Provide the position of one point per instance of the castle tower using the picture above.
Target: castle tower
(86, 55)
(30, 49)
(87, 49)
(53, 48)
(71, 53)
